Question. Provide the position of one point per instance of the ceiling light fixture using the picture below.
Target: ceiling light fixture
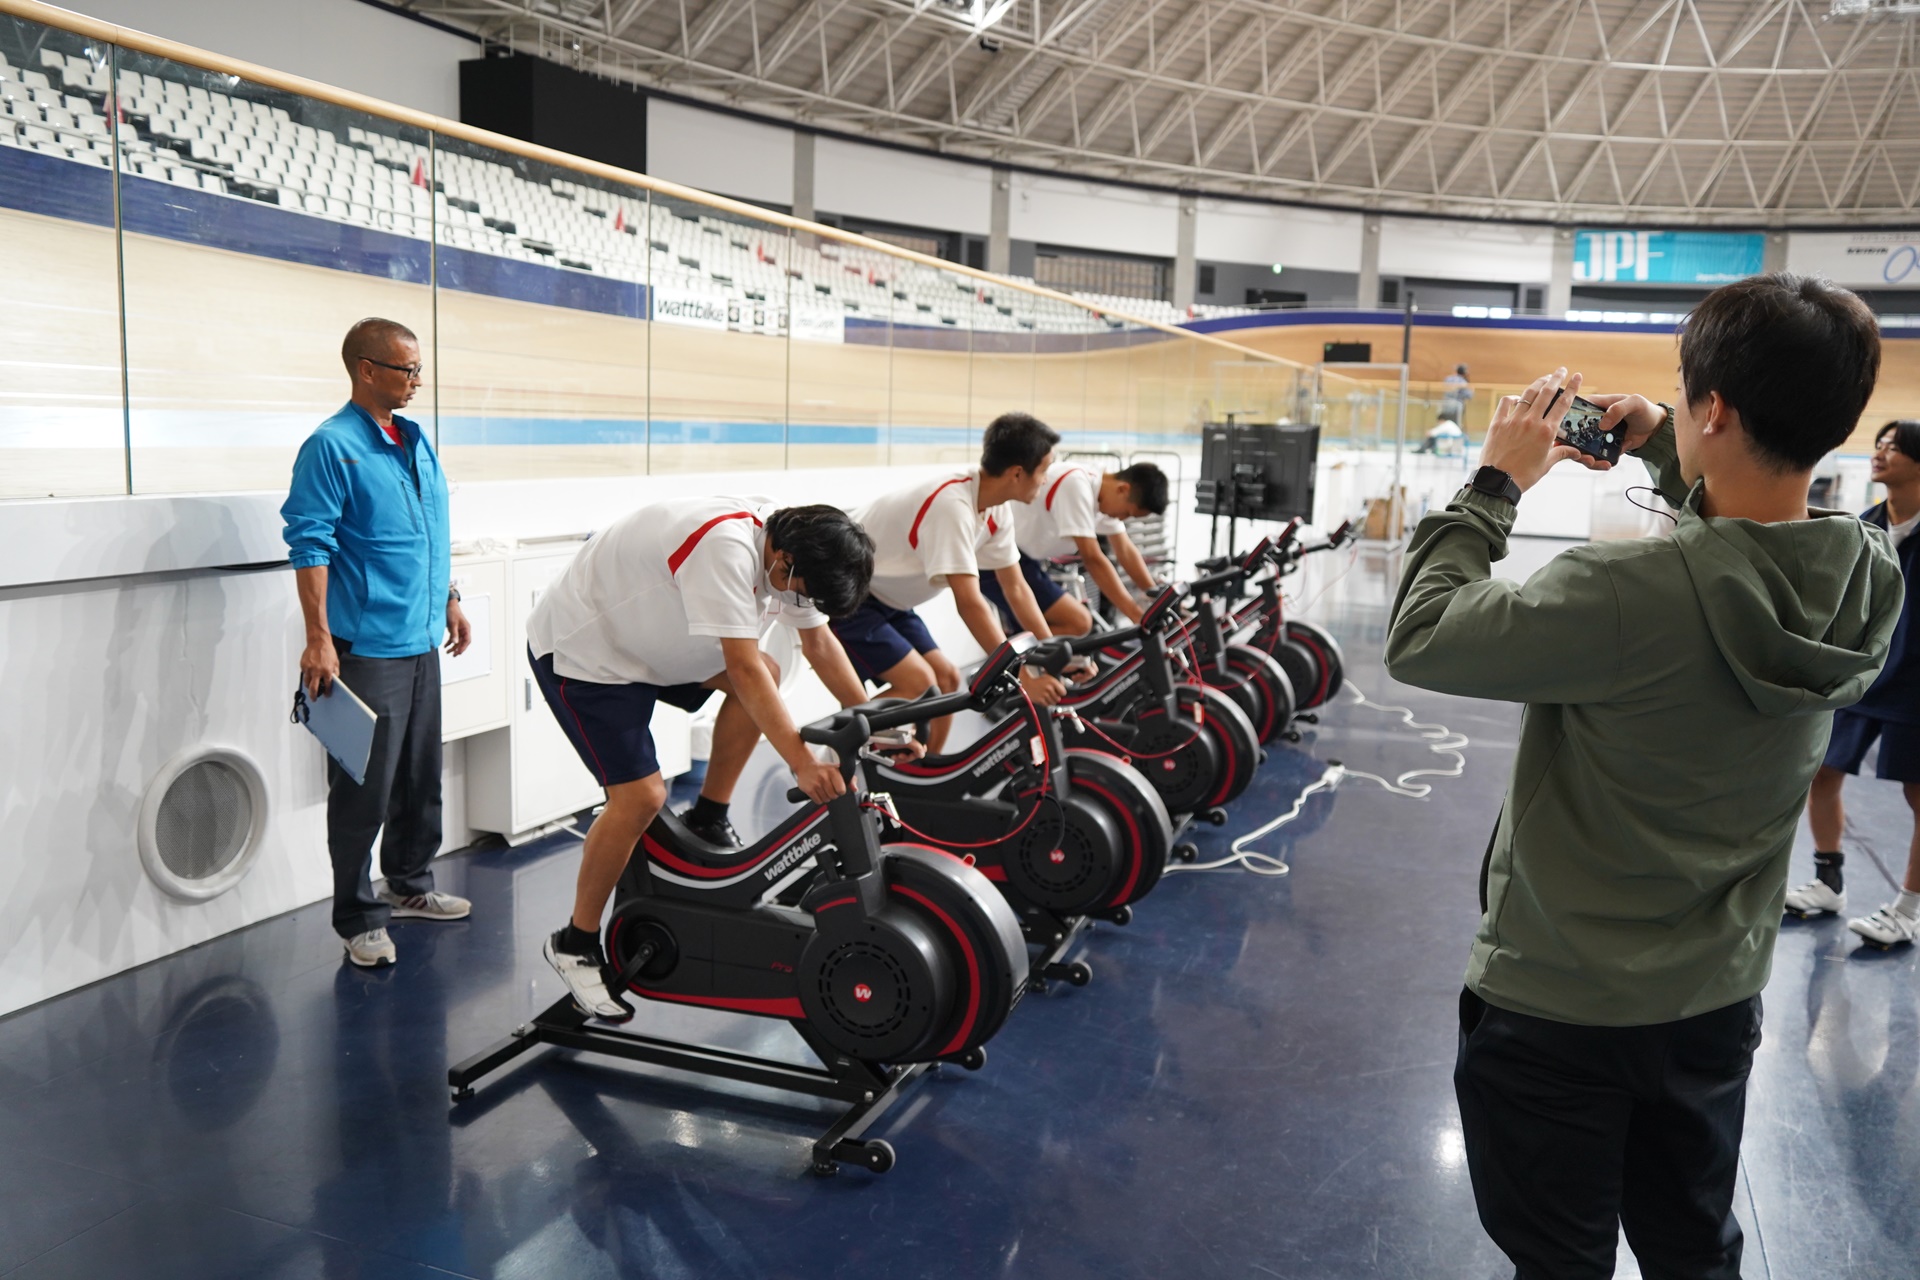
(979, 14)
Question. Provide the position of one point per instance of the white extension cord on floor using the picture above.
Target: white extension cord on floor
(1439, 739)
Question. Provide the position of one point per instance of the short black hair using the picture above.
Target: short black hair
(1796, 356)
(1016, 440)
(1906, 436)
(370, 338)
(1146, 485)
(831, 554)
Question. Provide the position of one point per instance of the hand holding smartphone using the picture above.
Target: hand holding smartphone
(1581, 429)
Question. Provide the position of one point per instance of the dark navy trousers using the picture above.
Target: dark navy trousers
(401, 793)
(1573, 1133)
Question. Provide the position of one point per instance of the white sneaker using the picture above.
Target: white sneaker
(587, 983)
(1887, 927)
(1814, 898)
(427, 906)
(371, 949)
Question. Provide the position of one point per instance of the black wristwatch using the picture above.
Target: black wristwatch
(1495, 483)
(453, 595)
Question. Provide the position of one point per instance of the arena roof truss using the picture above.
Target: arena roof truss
(1670, 111)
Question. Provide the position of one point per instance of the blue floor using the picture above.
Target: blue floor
(1256, 1084)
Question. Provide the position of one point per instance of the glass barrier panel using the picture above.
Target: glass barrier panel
(1003, 353)
(840, 365)
(62, 414)
(719, 289)
(542, 277)
(1060, 385)
(258, 227)
(934, 420)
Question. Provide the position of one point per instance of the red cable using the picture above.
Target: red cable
(1046, 782)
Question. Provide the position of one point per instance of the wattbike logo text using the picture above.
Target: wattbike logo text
(800, 849)
(1119, 688)
(998, 754)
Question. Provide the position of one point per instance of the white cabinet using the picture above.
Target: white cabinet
(473, 686)
(523, 776)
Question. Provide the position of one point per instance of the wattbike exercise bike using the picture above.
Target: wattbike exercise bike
(892, 960)
(1068, 835)
(1311, 657)
(1192, 742)
(1245, 673)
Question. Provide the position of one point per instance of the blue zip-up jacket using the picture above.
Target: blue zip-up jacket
(1895, 695)
(356, 507)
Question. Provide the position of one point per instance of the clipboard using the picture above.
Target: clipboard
(342, 722)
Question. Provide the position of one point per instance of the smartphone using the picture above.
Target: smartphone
(1581, 429)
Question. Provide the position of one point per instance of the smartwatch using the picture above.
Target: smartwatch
(1495, 483)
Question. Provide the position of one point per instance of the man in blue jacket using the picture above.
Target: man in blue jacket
(366, 531)
(1889, 713)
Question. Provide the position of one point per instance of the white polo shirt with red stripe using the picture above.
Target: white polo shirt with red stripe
(650, 597)
(928, 530)
(1067, 507)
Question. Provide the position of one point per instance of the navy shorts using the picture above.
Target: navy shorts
(1045, 590)
(878, 637)
(1853, 733)
(610, 725)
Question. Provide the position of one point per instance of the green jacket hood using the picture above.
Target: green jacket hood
(1799, 637)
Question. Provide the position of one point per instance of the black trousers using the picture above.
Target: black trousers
(1575, 1132)
(402, 790)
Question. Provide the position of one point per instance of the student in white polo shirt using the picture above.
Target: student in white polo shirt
(1075, 507)
(668, 604)
(939, 535)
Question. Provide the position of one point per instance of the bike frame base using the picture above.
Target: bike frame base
(870, 1090)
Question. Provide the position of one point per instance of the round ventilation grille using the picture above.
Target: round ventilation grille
(201, 824)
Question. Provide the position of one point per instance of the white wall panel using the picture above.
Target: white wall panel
(899, 186)
(1317, 239)
(338, 42)
(1091, 215)
(719, 153)
(1441, 250)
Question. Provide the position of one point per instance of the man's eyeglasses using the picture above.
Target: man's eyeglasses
(411, 370)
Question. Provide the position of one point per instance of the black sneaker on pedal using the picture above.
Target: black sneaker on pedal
(715, 831)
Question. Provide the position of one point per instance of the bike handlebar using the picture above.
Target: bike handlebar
(1237, 573)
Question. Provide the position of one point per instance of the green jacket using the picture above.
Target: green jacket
(1678, 693)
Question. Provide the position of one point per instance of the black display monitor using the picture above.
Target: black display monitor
(1346, 352)
(1257, 472)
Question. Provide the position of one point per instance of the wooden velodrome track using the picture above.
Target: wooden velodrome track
(232, 357)
(1504, 360)
(252, 343)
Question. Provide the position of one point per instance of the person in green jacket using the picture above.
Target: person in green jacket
(1678, 693)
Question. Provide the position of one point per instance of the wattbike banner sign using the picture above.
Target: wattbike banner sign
(1858, 259)
(1666, 257)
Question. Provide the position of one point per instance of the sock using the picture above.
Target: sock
(1827, 868)
(706, 812)
(1908, 904)
(576, 942)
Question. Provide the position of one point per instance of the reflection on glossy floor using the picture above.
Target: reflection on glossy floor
(1256, 1084)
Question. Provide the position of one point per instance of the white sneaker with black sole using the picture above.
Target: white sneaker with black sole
(586, 981)
(432, 905)
(370, 950)
(1887, 927)
(1815, 898)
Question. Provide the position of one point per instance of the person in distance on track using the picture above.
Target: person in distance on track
(939, 534)
(668, 604)
(1074, 508)
(1678, 694)
(1890, 712)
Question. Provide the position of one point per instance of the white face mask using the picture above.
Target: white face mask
(789, 597)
